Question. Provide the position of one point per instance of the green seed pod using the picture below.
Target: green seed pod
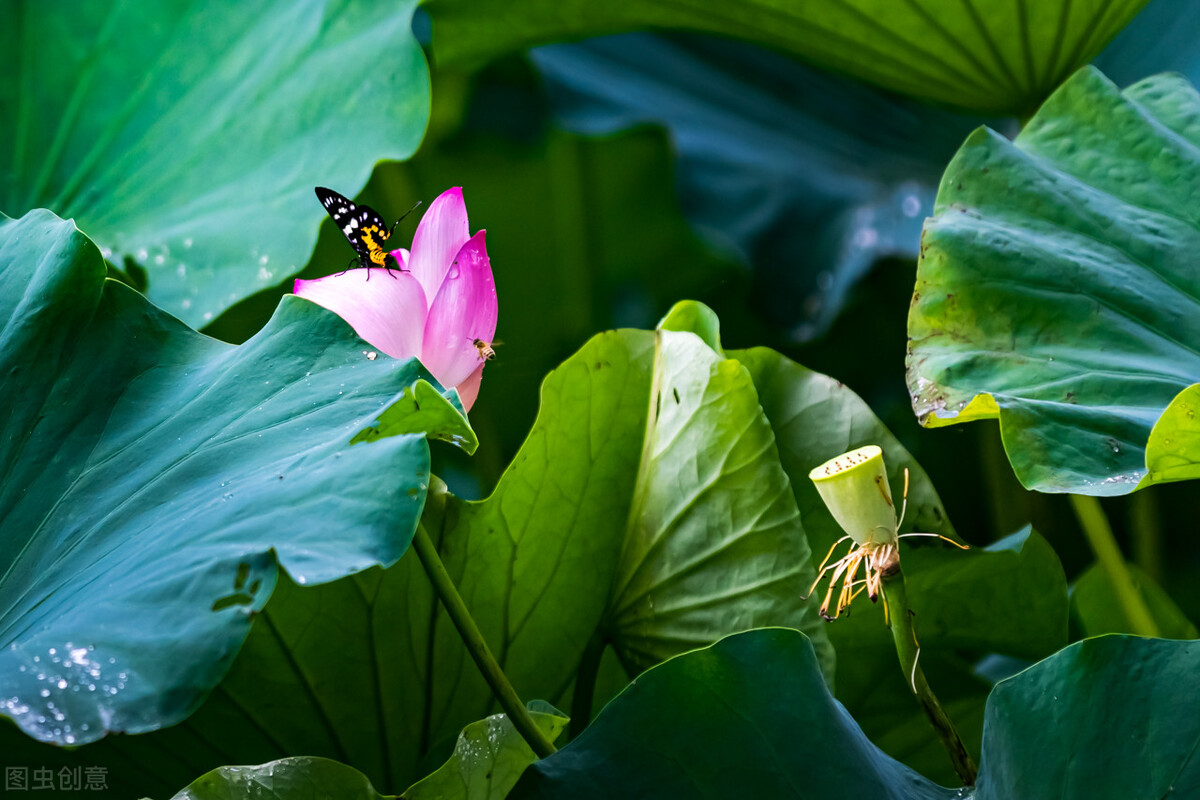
(855, 488)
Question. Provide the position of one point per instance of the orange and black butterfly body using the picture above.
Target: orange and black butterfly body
(361, 225)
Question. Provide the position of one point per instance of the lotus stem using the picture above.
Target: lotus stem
(900, 620)
(477, 646)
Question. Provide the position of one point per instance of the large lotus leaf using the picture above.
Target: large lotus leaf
(155, 478)
(746, 717)
(808, 176)
(298, 778)
(188, 136)
(1058, 288)
(991, 57)
(1104, 718)
(647, 510)
(750, 717)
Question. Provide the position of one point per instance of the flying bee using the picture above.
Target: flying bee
(486, 350)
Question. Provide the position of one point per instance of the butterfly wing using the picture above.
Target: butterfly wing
(361, 225)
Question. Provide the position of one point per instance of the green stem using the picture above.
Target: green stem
(477, 646)
(909, 651)
(1104, 545)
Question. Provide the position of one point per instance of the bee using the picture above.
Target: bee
(486, 350)
(362, 226)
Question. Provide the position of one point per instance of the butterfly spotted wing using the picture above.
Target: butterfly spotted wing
(363, 227)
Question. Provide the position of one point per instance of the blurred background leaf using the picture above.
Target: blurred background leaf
(1097, 610)
(806, 176)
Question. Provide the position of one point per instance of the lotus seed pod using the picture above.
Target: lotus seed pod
(855, 488)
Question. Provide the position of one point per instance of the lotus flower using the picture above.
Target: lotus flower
(440, 306)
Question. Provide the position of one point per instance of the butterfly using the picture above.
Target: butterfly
(361, 225)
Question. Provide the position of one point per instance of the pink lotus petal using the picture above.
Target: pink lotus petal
(442, 232)
(468, 390)
(401, 256)
(464, 309)
(388, 310)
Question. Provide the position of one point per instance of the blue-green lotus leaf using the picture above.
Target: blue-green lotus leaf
(155, 479)
(1058, 288)
(750, 717)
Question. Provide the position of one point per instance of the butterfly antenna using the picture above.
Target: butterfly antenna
(416, 205)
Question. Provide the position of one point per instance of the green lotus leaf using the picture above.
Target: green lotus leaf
(422, 409)
(1173, 450)
(187, 137)
(1062, 728)
(1057, 288)
(156, 479)
(747, 717)
(750, 717)
(489, 757)
(991, 57)
(298, 778)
